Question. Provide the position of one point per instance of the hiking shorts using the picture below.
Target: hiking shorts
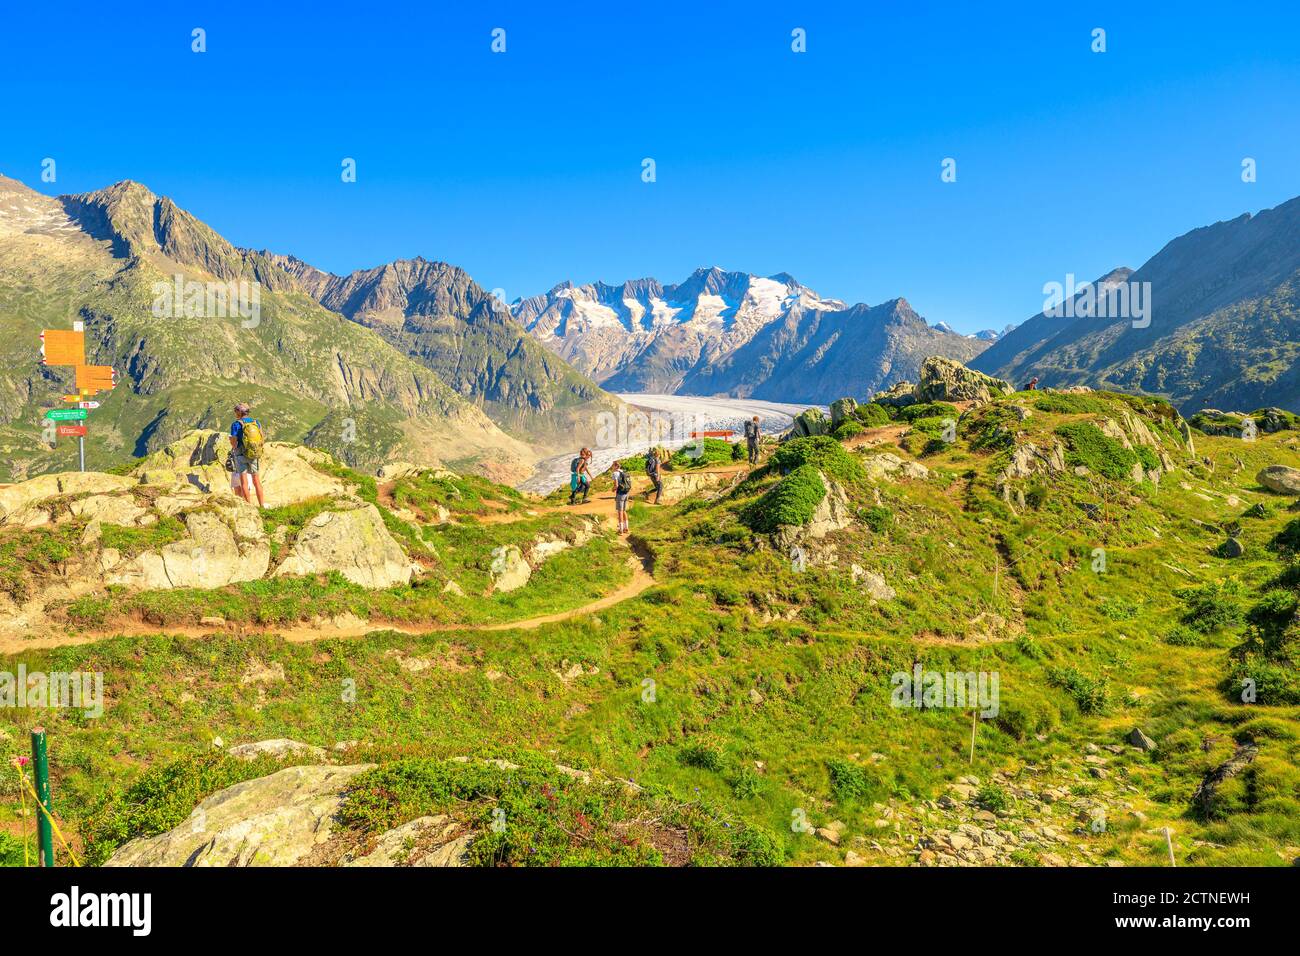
(244, 466)
(620, 501)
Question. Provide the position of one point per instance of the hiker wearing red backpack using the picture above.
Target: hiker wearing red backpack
(246, 443)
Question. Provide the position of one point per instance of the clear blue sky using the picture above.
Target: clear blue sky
(525, 167)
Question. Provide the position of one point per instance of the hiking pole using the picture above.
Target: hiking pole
(1169, 842)
(974, 724)
(41, 767)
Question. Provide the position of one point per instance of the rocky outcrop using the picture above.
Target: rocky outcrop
(197, 462)
(841, 411)
(887, 466)
(211, 556)
(810, 421)
(352, 541)
(1280, 479)
(944, 380)
(833, 513)
(424, 841)
(898, 395)
(679, 486)
(18, 503)
(277, 820)
(510, 569)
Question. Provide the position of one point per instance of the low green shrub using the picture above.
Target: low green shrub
(790, 503)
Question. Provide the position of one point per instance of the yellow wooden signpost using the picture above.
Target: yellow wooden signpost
(68, 347)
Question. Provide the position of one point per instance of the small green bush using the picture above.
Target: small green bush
(1094, 449)
(1213, 607)
(872, 415)
(928, 410)
(878, 518)
(847, 429)
(790, 503)
(821, 451)
(848, 780)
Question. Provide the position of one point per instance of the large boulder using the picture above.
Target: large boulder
(945, 380)
(277, 820)
(677, 486)
(841, 411)
(1280, 479)
(887, 466)
(353, 541)
(19, 499)
(424, 841)
(810, 421)
(898, 395)
(833, 513)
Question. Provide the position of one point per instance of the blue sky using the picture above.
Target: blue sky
(525, 167)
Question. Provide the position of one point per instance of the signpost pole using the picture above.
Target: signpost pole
(81, 451)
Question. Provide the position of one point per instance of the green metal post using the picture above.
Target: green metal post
(41, 763)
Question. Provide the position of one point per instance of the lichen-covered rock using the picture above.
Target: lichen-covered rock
(279, 748)
(352, 541)
(21, 496)
(677, 486)
(841, 411)
(510, 569)
(810, 421)
(1280, 479)
(898, 395)
(832, 514)
(887, 466)
(945, 380)
(276, 820)
(208, 557)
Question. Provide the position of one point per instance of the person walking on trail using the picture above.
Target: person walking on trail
(652, 472)
(751, 439)
(622, 488)
(580, 476)
(246, 443)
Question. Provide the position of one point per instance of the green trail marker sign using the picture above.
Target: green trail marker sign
(66, 414)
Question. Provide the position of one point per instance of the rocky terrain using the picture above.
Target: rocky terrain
(112, 260)
(720, 686)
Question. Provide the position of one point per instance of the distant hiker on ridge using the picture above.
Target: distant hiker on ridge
(1033, 385)
(246, 442)
(652, 472)
(751, 439)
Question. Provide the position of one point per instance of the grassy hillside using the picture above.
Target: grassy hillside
(760, 687)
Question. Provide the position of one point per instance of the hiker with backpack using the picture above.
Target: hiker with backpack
(622, 488)
(652, 472)
(580, 476)
(247, 441)
(751, 439)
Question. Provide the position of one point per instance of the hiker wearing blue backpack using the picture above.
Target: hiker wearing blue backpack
(247, 441)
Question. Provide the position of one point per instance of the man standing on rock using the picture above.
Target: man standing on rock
(246, 442)
(751, 439)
